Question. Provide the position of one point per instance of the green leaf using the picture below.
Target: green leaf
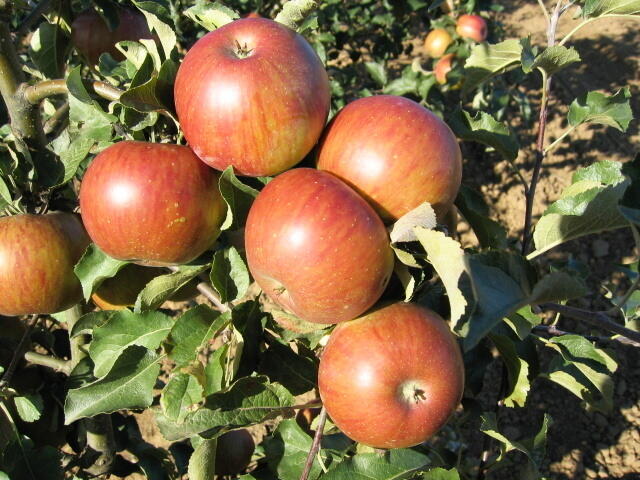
(89, 321)
(298, 372)
(377, 72)
(229, 275)
(485, 129)
(165, 32)
(595, 107)
(192, 331)
(202, 464)
(214, 371)
(5, 195)
(211, 15)
(597, 8)
(156, 93)
(94, 267)
(238, 198)
(606, 172)
(179, 396)
(529, 53)
(555, 58)
(72, 156)
(391, 465)
(557, 286)
(248, 401)
(517, 369)
(487, 61)
(294, 12)
(46, 49)
(163, 287)
(128, 385)
(473, 208)
(29, 407)
(441, 474)
(123, 329)
(248, 320)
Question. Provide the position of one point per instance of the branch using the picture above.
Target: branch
(56, 364)
(554, 331)
(49, 88)
(207, 290)
(597, 319)
(101, 451)
(315, 446)
(78, 351)
(60, 117)
(27, 23)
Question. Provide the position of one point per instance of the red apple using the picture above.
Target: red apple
(473, 27)
(155, 204)
(252, 94)
(252, 15)
(395, 153)
(316, 247)
(443, 67)
(392, 378)
(37, 256)
(91, 36)
(234, 452)
(437, 42)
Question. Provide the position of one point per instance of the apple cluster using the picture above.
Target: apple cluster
(254, 95)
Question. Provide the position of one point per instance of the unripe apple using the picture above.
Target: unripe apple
(395, 153)
(316, 248)
(392, 378)
(151, 203)
(91, 36)
(443, 67)
(437, 42)
(473, 27)
(37, 256)
(234, 452)
(252, 94)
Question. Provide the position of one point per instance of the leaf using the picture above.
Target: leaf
(5, 194)
(517, 369)
(165, 32)
(74, 155)
(29, 407)
(403, 230)
(155, 94)
(163, 287)
(595, 107)
(128, 385)
(557, 286)
(202, 464)
(248, 401)
(555, 58)
(211, 15)
(597, 8)
(447, 257)
(485, 129)
(179, 396)
(487, 61)
(248, 320)
(123, 329)
(393, 464)
(229, 275)
(295, 371)
(192, 331)
(94, 267)
(606, 172)
(294, 12)
(476, 212)
(238, 198)
(441, 474)
(86, 323)
(377, 72)
(46, 49)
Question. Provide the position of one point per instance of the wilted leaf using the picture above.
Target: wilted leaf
(403, 230)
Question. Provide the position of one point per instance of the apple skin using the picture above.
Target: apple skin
(316, 248)
(437, 42)
(91, 36)
(37, 256)
(150, 203)
(473, 27)
(262, 113)
(395, 153)
(392, 378)
(234, 452)
(443, 67)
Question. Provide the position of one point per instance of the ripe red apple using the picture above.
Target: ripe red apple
(252, 94)
(443, 67)
(252, 15)
(91, 36)
(37, 256)
(155, 204)
(234, 452)
(473, 27)
(437, 42)
(316, 247)
(392, 378)
(121, 291)
(395, 153)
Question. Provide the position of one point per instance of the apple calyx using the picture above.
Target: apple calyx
(242, 51)
(412, 392)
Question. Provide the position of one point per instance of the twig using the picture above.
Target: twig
(101, 451)
(207, 290)
(60, 115)
(597, 319)
(315, 446)
(554, 331)
(32, 18)
(634, 286)
(49, 88)
(56, 364)
(6, 378)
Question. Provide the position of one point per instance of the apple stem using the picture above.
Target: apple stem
(49, 88)
(315, 446)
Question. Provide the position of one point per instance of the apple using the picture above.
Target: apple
(37, 256)
(252, 94)
(437, 42)
(395, 153)
(473, 27)
(234, 452)
(150, 203)
(121, 291)
(392, 378)
(252, 15)
(443, 67)
(316, 248)
(91, 36)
